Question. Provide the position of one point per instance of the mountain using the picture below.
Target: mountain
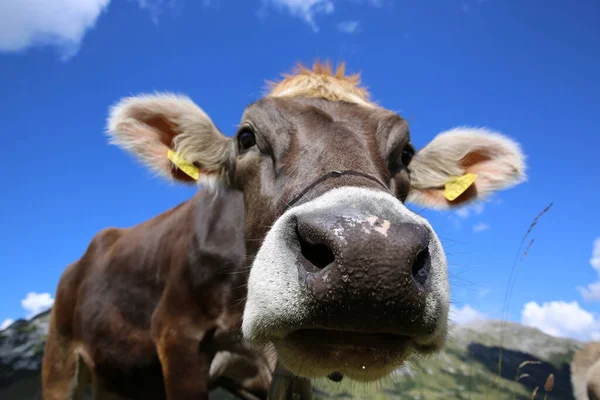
(466, 369)
(21, 350)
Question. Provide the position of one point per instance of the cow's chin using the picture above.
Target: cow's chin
(362, 357)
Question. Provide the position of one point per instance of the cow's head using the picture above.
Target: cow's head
(344, 278)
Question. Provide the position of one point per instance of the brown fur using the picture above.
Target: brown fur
(134, 303)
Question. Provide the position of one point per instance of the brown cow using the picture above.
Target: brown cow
(301, 243)
(585, 372)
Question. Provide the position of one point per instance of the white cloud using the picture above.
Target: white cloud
(155, 7)
(305, 9)
(60, 23)
(57, 23)
(592, 292)
(5, 324)
(348, 26)
(35, 303)
(562, 319)
(463, 212)
(470, 210)
(374, 3)
(308, 9)
(476, 209)
(480, 227)
(465, 315)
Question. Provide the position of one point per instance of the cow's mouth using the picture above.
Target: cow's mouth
(359, 356)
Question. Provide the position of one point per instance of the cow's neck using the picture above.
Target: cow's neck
(216, 250)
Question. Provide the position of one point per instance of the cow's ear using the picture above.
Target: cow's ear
(462, 165)
(172, 136)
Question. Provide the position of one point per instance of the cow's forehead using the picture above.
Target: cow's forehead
(322, 82)
(321, 88)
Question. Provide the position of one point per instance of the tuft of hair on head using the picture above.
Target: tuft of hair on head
(321, 81)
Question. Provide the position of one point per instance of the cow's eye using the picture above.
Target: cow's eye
(246, 139)
(407, 154)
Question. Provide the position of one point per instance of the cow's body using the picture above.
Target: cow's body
(302, 245)
(112, 303)
(585, 372)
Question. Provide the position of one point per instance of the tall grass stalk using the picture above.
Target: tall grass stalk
(512, 279)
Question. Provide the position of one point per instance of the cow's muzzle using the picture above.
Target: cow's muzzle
(350, 282)
(368, 267)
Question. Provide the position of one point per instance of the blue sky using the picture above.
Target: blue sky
(527, 69)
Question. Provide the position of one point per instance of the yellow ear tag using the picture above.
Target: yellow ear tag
(190, 169)
(457, 186)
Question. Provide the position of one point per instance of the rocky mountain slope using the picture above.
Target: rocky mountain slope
(467, 369)
(21, 350)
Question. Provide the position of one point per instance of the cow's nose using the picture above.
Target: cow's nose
(370, 241)
(315, 243)
(354, 261)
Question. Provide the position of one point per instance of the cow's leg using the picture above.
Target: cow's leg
(185, 366)
(64, 373)
(184, 343)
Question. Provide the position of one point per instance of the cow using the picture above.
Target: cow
(298, 252)
(585, 372)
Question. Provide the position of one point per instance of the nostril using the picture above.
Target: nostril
(317, 254)
(336, 376)
(421, 266)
